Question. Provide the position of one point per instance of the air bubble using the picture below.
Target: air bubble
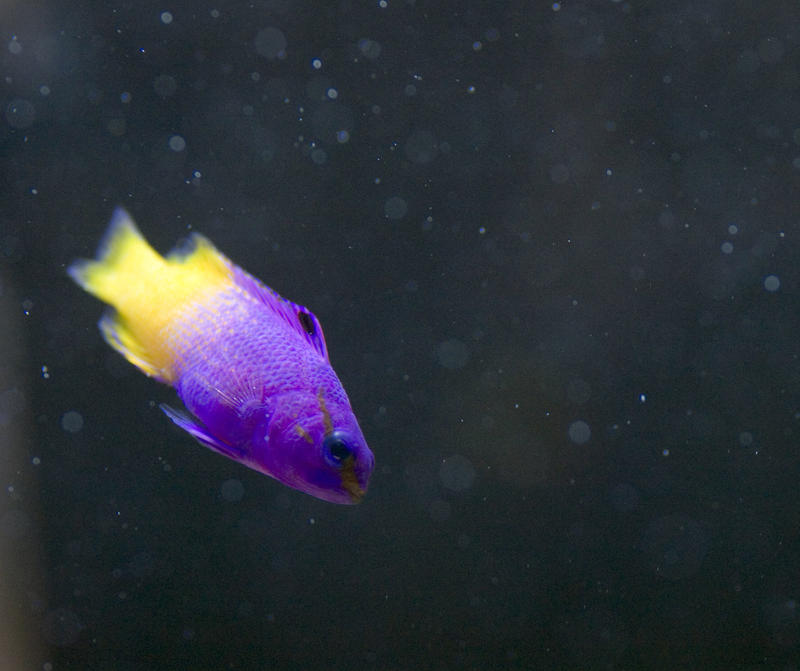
(271, 43)
(772, 283)
(72, 421)
(579, 432)
(395, 208)
(177, 143)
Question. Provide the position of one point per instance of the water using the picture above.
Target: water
(554, 251)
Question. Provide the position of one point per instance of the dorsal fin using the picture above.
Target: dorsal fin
(299, 318)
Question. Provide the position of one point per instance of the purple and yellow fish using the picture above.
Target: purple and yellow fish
(251, 367)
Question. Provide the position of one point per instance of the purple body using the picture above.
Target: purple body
(253, 369)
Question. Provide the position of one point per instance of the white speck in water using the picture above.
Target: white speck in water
(770, 50)
(44, 90)
(457, 473)
(177, 143)
(214, 13)
(665, 452)
(332, 93)
(36, 461)
(14, 46)
(395, 208)
(20, 113)
(45, 373)
(72, 421)
(733, 229)
(166, 17)
(726, 247)
(579, 432)
(316, 63)
(642, 398)
(342, 136)
(772, 283)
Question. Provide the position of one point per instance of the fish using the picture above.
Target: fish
(250, 367)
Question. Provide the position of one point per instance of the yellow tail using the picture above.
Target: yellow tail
(147, 291)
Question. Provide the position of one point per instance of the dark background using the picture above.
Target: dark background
(521, 236)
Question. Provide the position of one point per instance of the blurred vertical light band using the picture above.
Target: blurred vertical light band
(20, 569)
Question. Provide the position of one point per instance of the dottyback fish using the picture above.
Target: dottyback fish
(251, 367)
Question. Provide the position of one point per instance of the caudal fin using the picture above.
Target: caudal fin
(146, 292)
(124, 260)
(122, 275)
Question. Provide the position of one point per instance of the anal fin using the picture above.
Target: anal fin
(119, 336)
(200, 433)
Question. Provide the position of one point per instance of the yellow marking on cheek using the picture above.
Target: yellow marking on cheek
(326, 416)
(302, 432)
(350, 481)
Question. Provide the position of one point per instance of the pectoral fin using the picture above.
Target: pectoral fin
(201, 433)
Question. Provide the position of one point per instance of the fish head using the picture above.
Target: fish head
(315, 447)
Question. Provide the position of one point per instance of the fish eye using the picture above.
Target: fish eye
(306, 322)
(337, 448)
